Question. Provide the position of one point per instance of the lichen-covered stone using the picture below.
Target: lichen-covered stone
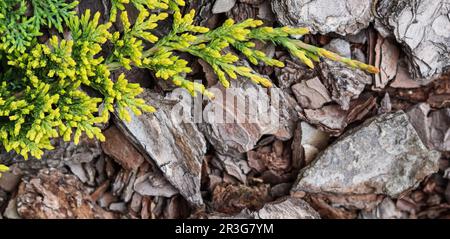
(383, 156)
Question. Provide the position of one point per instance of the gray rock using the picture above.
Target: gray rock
(9, 181)
(280, 190)
(136, 202)
(346, 84)
(122, 181)
(91, 173)
(360, 38)
(386, 105)
(385, 210)
(235, 166)
(440, 129)
(221, 6)
(340, 46)
(359, 55)
(311, 94)
(288, 208)
(86, 151)
(325, 16)
(118, 207)
(11, 210)
(128, 190)
(423, 28)
(386, 59)
(78, 170)
(333, 119)
(152, 184)
(237, 118)
(313, 141)
(432, 127)
(172, 140)
(383, 156)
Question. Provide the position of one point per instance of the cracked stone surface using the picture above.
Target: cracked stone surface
(383, 156)
(423, 28)
(325, 16)
(172, 140)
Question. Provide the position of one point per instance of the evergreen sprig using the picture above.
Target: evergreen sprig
(42, 84)
(3, 169)
(18, 32)
(52, 13)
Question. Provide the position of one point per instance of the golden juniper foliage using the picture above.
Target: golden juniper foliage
(3, 169)
(41, 84)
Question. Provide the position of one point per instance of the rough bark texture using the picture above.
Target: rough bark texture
(177, 148)
(51, 194)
